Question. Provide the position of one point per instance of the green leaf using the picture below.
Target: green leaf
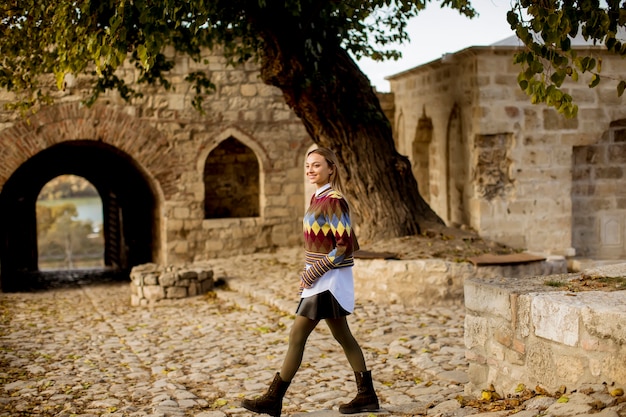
(142, 54)
(557, 77)
(584, 64)
(620, 88)
(591, 64)
(60, 79)
(610, 43)
(512, 19)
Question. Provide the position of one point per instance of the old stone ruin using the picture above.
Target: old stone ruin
(485, 158)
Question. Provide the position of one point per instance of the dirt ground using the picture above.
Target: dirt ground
(460, 245)
(439, 242)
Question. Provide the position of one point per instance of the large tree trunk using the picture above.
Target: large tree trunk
(341, 111)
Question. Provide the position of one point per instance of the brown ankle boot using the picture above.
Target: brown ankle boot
(366, 399)
(272, 401)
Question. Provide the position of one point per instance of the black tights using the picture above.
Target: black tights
(300, 331)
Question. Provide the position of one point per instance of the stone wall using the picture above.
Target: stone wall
(599, 196)
(151, 283)
(169, 143)
(434, 281)
(524, 331)
(498, 163)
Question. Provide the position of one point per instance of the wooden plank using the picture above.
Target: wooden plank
(508, 259)
(365, 254)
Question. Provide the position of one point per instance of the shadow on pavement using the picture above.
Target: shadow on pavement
(54, 279)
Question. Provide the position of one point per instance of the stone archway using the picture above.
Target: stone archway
(127, 162)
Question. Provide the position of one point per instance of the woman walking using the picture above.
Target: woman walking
(327, 288)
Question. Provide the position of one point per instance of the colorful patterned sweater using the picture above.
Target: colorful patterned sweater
(329, 241)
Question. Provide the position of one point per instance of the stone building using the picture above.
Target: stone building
(176, 185)
(515, 172)
(180, 186)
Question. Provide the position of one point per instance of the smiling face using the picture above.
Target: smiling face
(318, 171)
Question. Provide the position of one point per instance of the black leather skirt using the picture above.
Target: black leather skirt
(321, 306)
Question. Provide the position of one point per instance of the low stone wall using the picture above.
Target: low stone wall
(434, 281)
(524, 331)
(151, 283)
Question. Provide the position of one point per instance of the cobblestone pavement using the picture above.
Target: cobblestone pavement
(82, 350)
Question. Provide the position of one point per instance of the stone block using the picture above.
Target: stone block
(153, 292)
(475, 357)
(150, 279)
(487, 297)
(617, 153)
(569, 369)
(613, 367)
(554, 319)
(206, 285)
(188, 274)
(204, 274)
(249, 90)
(504, 336)
(168, 279)
(604, 315)
(519, 346)
(176, 292)
(477, 332)
(135, 300)
(192, 289)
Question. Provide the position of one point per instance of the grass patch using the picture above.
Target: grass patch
(618, 282)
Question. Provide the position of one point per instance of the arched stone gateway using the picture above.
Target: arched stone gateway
(123, 158)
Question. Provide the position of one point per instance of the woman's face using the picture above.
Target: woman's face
(318, 171)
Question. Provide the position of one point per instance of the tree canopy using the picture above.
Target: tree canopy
(547, 28)
(85, 36)
(307, 49)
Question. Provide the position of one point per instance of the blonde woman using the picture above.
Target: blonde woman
(327, 288)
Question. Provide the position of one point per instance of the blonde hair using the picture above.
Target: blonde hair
(331, 159)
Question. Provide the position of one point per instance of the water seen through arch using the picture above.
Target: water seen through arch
(69, 225)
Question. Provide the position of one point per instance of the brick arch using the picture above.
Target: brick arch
(127, 160)
(69, 122)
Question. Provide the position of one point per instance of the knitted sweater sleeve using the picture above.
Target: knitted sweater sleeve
(338, 236)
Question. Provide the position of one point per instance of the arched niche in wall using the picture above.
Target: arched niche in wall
(457, 169)
(231, 181)
(420, 154)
